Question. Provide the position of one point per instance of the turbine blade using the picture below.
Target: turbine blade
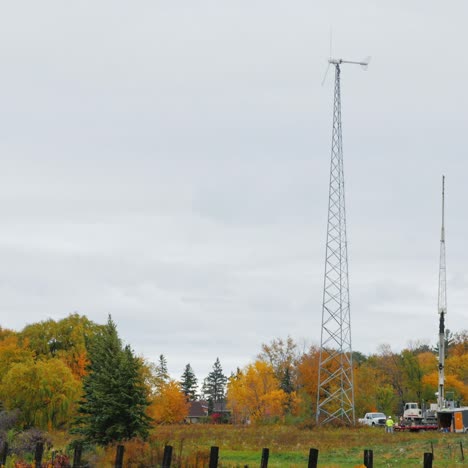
(326, 73)
(365, 63)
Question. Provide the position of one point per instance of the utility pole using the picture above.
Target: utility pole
(335, 394)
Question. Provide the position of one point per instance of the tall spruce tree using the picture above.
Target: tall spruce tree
(189, 383)
(214, 386)
(113, 406)
(161, 374)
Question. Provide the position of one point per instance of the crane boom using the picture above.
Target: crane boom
(442, 306)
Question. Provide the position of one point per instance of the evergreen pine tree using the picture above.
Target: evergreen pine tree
(215, 384)
(286, 383)
(161, 375)
(189, 383)
(113, 406)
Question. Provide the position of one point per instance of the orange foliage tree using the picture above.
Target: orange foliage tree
(254, 394)
(457, 365)
(13, 352)
(169, 404)
(307, 379)
(452, 384)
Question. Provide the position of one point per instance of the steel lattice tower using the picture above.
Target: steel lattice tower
(335, 395)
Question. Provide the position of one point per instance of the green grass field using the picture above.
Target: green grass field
(289, 446)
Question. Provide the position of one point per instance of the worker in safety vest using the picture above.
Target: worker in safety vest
(389, 424)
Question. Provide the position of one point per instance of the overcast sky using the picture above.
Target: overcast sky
(168, 161)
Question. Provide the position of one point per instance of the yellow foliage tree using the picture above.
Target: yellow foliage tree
(169, 404)
(65, 339)
(44, 391)
(12, 352)
(254, 394)
(457, 365)
(427, 362)
(452, 383)
(4, 332)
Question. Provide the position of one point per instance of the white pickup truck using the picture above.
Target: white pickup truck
(373, 419)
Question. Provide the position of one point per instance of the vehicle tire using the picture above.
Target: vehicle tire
(373, 424)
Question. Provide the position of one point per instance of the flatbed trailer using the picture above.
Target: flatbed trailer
(415, 427)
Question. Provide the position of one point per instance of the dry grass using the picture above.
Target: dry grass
(289, 447)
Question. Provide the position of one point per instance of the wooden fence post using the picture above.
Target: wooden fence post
(214, 452)
(313, 458)
(77, 455)
(368, 458)
(38, 453)
(427, 461)
(461, 450)
(4, 453)
(265, 455)
(119, 456)
(167, 457)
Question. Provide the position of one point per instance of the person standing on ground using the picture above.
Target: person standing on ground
(389, 425)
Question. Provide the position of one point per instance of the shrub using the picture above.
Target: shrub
(25, 442)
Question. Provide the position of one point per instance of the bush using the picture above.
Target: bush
(25, 442)
(8, 420)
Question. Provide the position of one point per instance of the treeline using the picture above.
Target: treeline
(282, 382)
(74, 374)
(50, 368)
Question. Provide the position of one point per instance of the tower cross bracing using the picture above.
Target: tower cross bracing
(335, 394)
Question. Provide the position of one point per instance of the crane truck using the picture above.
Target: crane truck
(415, 418)
(444, 415)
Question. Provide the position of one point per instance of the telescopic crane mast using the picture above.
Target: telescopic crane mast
(442, 305)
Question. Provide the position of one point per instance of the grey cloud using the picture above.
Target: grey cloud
(169, 164)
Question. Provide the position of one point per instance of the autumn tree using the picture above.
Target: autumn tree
(456, 369)
(12, 352)
(189, 383)
(41, 337)
(283, 356)
(5, 332)
(307, 379)
(460, 343)
(457, 361)
(169, 404)
(114, 402)
(64, 339)
(44, 391)
(372, 390)
(254, 394)
(72, 332)
(390, 365)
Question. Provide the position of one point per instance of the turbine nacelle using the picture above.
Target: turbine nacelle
(364, 63)
(333, 61)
